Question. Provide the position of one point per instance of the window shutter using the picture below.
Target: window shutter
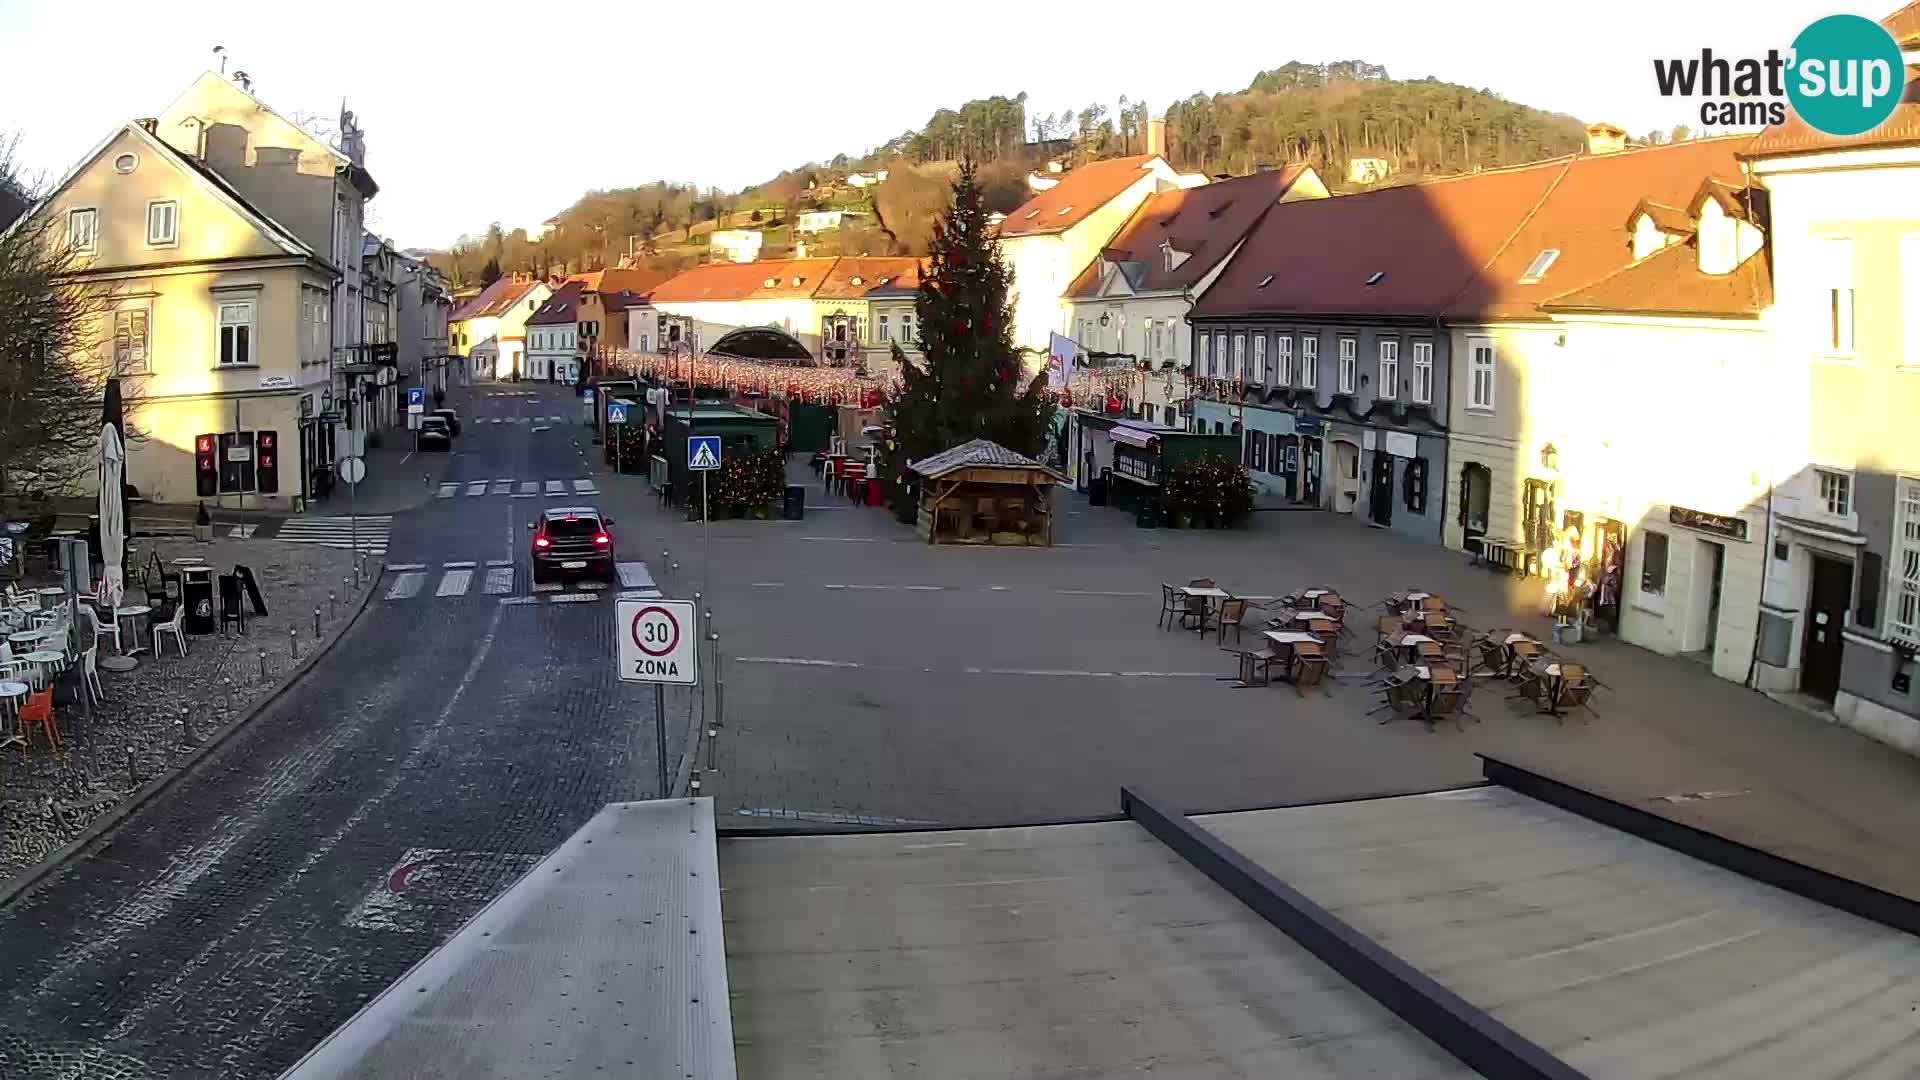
(1867, 611)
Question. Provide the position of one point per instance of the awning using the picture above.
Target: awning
(1836, 533)
(1132, 436)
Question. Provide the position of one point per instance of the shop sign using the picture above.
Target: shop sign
(1309, 425)
(1402, 444)
(1732, 528)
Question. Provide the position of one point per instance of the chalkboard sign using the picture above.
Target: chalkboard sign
(1732, 528)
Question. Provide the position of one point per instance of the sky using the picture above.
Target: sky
(484, 112)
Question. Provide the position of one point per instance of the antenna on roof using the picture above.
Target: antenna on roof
(221, 52)
(245, 80)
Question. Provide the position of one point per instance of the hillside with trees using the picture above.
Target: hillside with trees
(1324, 114)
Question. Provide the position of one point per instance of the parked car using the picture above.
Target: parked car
(572, 541)
(451, 417)
(433, 435)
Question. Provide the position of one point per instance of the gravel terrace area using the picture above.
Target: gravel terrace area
(157, 714)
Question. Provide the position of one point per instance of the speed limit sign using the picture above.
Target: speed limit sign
(658, 641)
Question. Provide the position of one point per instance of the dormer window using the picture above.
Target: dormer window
(797, 281)
(1537, 269)
(1063, 211)
(1375, 278)
(856, 279)
(1264, 282)
(771, 282)
(1031, 214)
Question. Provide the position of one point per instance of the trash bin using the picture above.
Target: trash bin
(196, 591)
(1097, 491)
(794, 506)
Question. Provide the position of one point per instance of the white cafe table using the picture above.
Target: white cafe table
(126, 661)
(12, 696)
(27, 637)
(46, 660)
(49, 596)
(1207, 594)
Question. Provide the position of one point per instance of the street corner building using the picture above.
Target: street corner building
(224, 241)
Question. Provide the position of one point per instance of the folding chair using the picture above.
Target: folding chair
(1309, 667)
(1169, 606)
(1250, 661)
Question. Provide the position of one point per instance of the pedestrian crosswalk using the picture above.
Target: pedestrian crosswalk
(517, 489)
(500, 577)
(368, 532)
(519, 419)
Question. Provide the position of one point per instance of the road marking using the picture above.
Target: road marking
(527, 495)
(554, 487)
(499, 562)
(769, 584)
(406, 585)
(454, 583)
(575, 598)
(468, 565)
(797, 661)
(476, 487)
(502, 487)
(516, 600)
(1097, 592)
(924, 588)
(634, 575)
(528, 487)
(640, 594)
(1167, 674)
(1063, 673)
(397, 567)
(585, 487)
(846, 539)
(242, 532)
(1045, 671)
(548, 586)
(869, 586)
(541, 427)
(835, 586)
(499, 581)
(590, 586)
(831, 816)
(998, 588)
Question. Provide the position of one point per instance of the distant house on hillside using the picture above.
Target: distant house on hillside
(736, 245)
(813, 221)
(861, 180)
(1366, 170)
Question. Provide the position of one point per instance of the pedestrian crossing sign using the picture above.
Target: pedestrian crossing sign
(703, 452)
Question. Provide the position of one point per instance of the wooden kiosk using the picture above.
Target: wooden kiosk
(983, 493)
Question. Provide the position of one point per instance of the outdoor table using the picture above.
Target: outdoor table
(1416, 645)
(1315, 622)
(12, 696)
(49, 596)
(27, 637)
(1548, 672)
(45, 659)
(188, 560)
(1207, 594)
(1287, 641)
(134, 612)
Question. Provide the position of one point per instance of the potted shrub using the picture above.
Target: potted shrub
(1209, 492)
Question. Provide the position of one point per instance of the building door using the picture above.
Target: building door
(1381, 497)
(1713, 564)
(1826, 610)
(1476, 494)
(1290, 465)
(1312, 465)
(1346, 476)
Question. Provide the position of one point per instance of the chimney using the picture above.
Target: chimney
(150, 123)
(1157, 137)
(1605, 138)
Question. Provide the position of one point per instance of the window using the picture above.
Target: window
(163, 223)
(1151, 331)
(906, 327)
(1423, 372)
(1480, 361)
(1537, 269)
(1389, 370)
(886, 332)
(1653, 562)
(1310, 362)
(1833, 260)
(1173, 416)
(236, 333)
(1206, 353)
(81, 230)
(1259, 358)
(1239, 369)
(1836, 492)
(1903, 607)
(1414, 485)
(1283, 359)
(131, 342)
(1349, 365)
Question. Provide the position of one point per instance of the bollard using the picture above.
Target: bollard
(133, 774)
(333, 609)
(263, 665)
(186, 726)
(316, 622)
(293, 644)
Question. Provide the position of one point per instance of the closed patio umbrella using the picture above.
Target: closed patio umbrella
(113, 497)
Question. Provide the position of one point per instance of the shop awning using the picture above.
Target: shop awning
(1132, 436)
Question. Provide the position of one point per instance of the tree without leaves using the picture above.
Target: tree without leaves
(971, 384)
(490, 273)
(52, 374)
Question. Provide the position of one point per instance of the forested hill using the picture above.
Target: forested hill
(1323, 114)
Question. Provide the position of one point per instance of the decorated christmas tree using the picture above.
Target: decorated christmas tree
(971, 384)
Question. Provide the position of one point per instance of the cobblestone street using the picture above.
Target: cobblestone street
(158, 714)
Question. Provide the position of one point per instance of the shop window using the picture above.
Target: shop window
(1538, 518)
(1653, 562)
(1275, 456)
(1414, 482)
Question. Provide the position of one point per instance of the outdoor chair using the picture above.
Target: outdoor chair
(1494, 654)
(90, 674)
(38, 710)
(1576, 688)
(1449, 701)
(1438, 626)
(1193, 615)
(1250, 661)
(1389, 624)
(1404, 697)
(1232, 613)
(1169, 605)
(111, 628)
(1309, 668)
(12, 668)
(1201, 583)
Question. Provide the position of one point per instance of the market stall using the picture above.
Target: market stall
(983, 493)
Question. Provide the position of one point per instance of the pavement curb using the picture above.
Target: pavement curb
(23, 882)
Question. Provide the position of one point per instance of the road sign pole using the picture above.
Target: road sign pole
(660, 733)
(706, 545)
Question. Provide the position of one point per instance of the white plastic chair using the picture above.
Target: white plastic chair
(173, 626)
(109, 629)
(90, 673)
(12, 667)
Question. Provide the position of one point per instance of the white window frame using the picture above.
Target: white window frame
(881, 327)
(906, 328)
(222, 323)
(1839, 319)
(1348, 374)
(1389, 385)
(1239, 369)
(1259, 358)
(90, 216)
(172, 237)
(1903, 569)
(1481, 393)
(144, 351)
(1283, 359)
(1832, 483)
(1206, 354)
(1423, 372)
(1310, 361)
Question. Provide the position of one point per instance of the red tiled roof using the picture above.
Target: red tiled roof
(1204, 222)
(1665, 218)
(1078, 194)
(561, 308)
(1904, 25)
(872, 270)
(745, 281)
(1459, 247)
(1669, 282)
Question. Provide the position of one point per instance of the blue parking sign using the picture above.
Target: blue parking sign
(416, 399)
(703, 452)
